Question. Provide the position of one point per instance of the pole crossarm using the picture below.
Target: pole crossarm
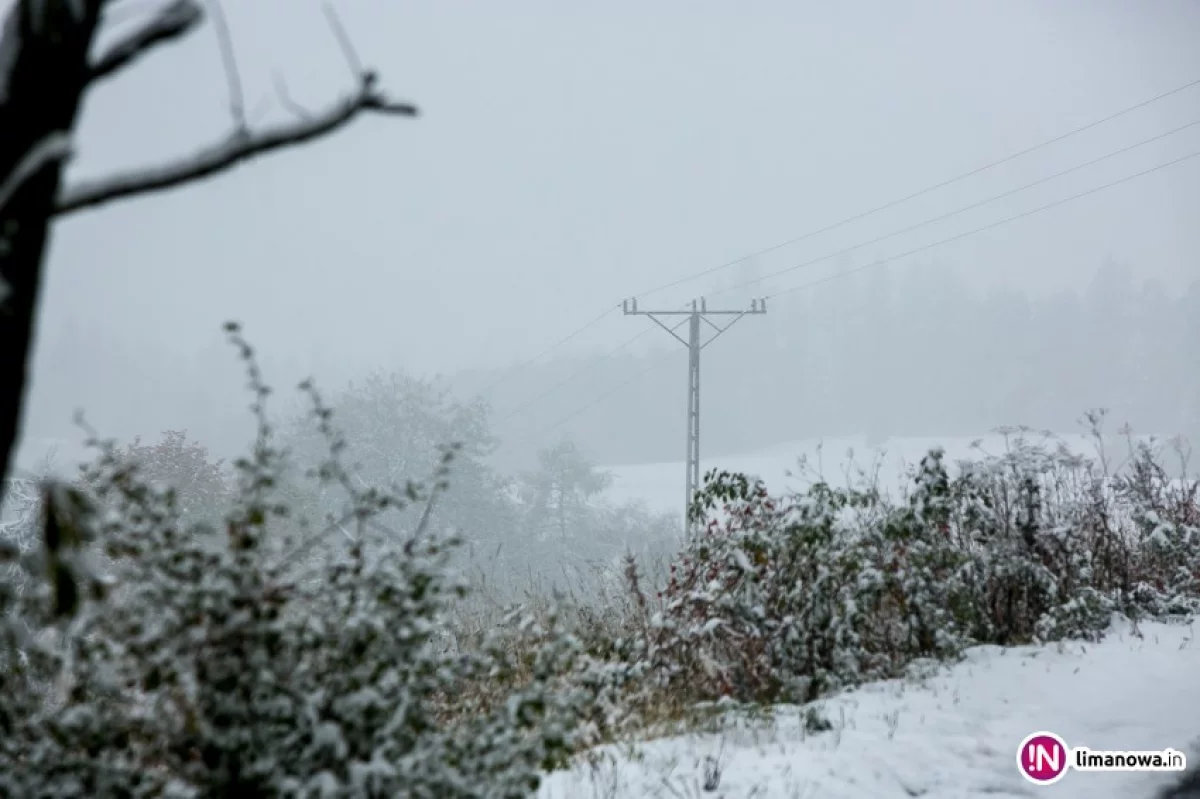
(719, 330)
(693, 316)
(758, 306)
(671, 330)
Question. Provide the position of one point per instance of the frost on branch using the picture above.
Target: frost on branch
(241, 143)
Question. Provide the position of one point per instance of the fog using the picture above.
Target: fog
(571, 155)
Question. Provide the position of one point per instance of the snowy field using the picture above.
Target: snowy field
(949, 736)
(660, 485)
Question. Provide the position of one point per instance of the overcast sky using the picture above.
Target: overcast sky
(570, 154)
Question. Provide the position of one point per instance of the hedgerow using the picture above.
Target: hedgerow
(786, 598)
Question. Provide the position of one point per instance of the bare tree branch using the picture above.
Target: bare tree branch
(237, 103)
(339, 31)
(46, 69)
(285, 99)
(239, 146)
(171, 22)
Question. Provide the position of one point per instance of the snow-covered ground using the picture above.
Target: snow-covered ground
(660, 485)
(949, 736)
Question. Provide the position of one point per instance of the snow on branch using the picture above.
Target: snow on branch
(56, 147)
(53, 148)
(171, 22)
(240, 145)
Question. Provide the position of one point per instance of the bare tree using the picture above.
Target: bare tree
(46, 67)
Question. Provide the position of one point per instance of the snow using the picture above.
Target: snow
(661, 485)
(953, 734)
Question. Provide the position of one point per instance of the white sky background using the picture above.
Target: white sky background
(570, 154)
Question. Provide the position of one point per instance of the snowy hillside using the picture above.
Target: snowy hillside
(950, 736)
(660, 485)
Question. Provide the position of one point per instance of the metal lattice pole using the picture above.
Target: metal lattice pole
(697, 314)
(692, 484)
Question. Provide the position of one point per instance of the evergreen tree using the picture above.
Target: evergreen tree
(558, 495)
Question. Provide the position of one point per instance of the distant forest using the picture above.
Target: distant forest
(880, 356)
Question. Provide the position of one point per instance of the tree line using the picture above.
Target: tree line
(919, 354)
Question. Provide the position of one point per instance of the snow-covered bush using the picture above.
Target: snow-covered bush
(20, 512)
(146, 654)
(792, 598)
(787, 598)
(1164, 515)
(186, 669)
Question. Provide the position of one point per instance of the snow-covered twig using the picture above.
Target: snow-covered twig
(170, 23)
(237, 102)
(240, 144)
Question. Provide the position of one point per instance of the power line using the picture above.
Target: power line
(571, 378)
(654, 363)
(520, 367)
(566, 339)
(886, 206)
(997, 224)
(577, 373)
(927, 190)
(955, 212)
(603, 396)
(860, 245)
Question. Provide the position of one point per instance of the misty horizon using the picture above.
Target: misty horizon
(569, 158)
(839, 364)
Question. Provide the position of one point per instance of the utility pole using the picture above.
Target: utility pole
(698, 313)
